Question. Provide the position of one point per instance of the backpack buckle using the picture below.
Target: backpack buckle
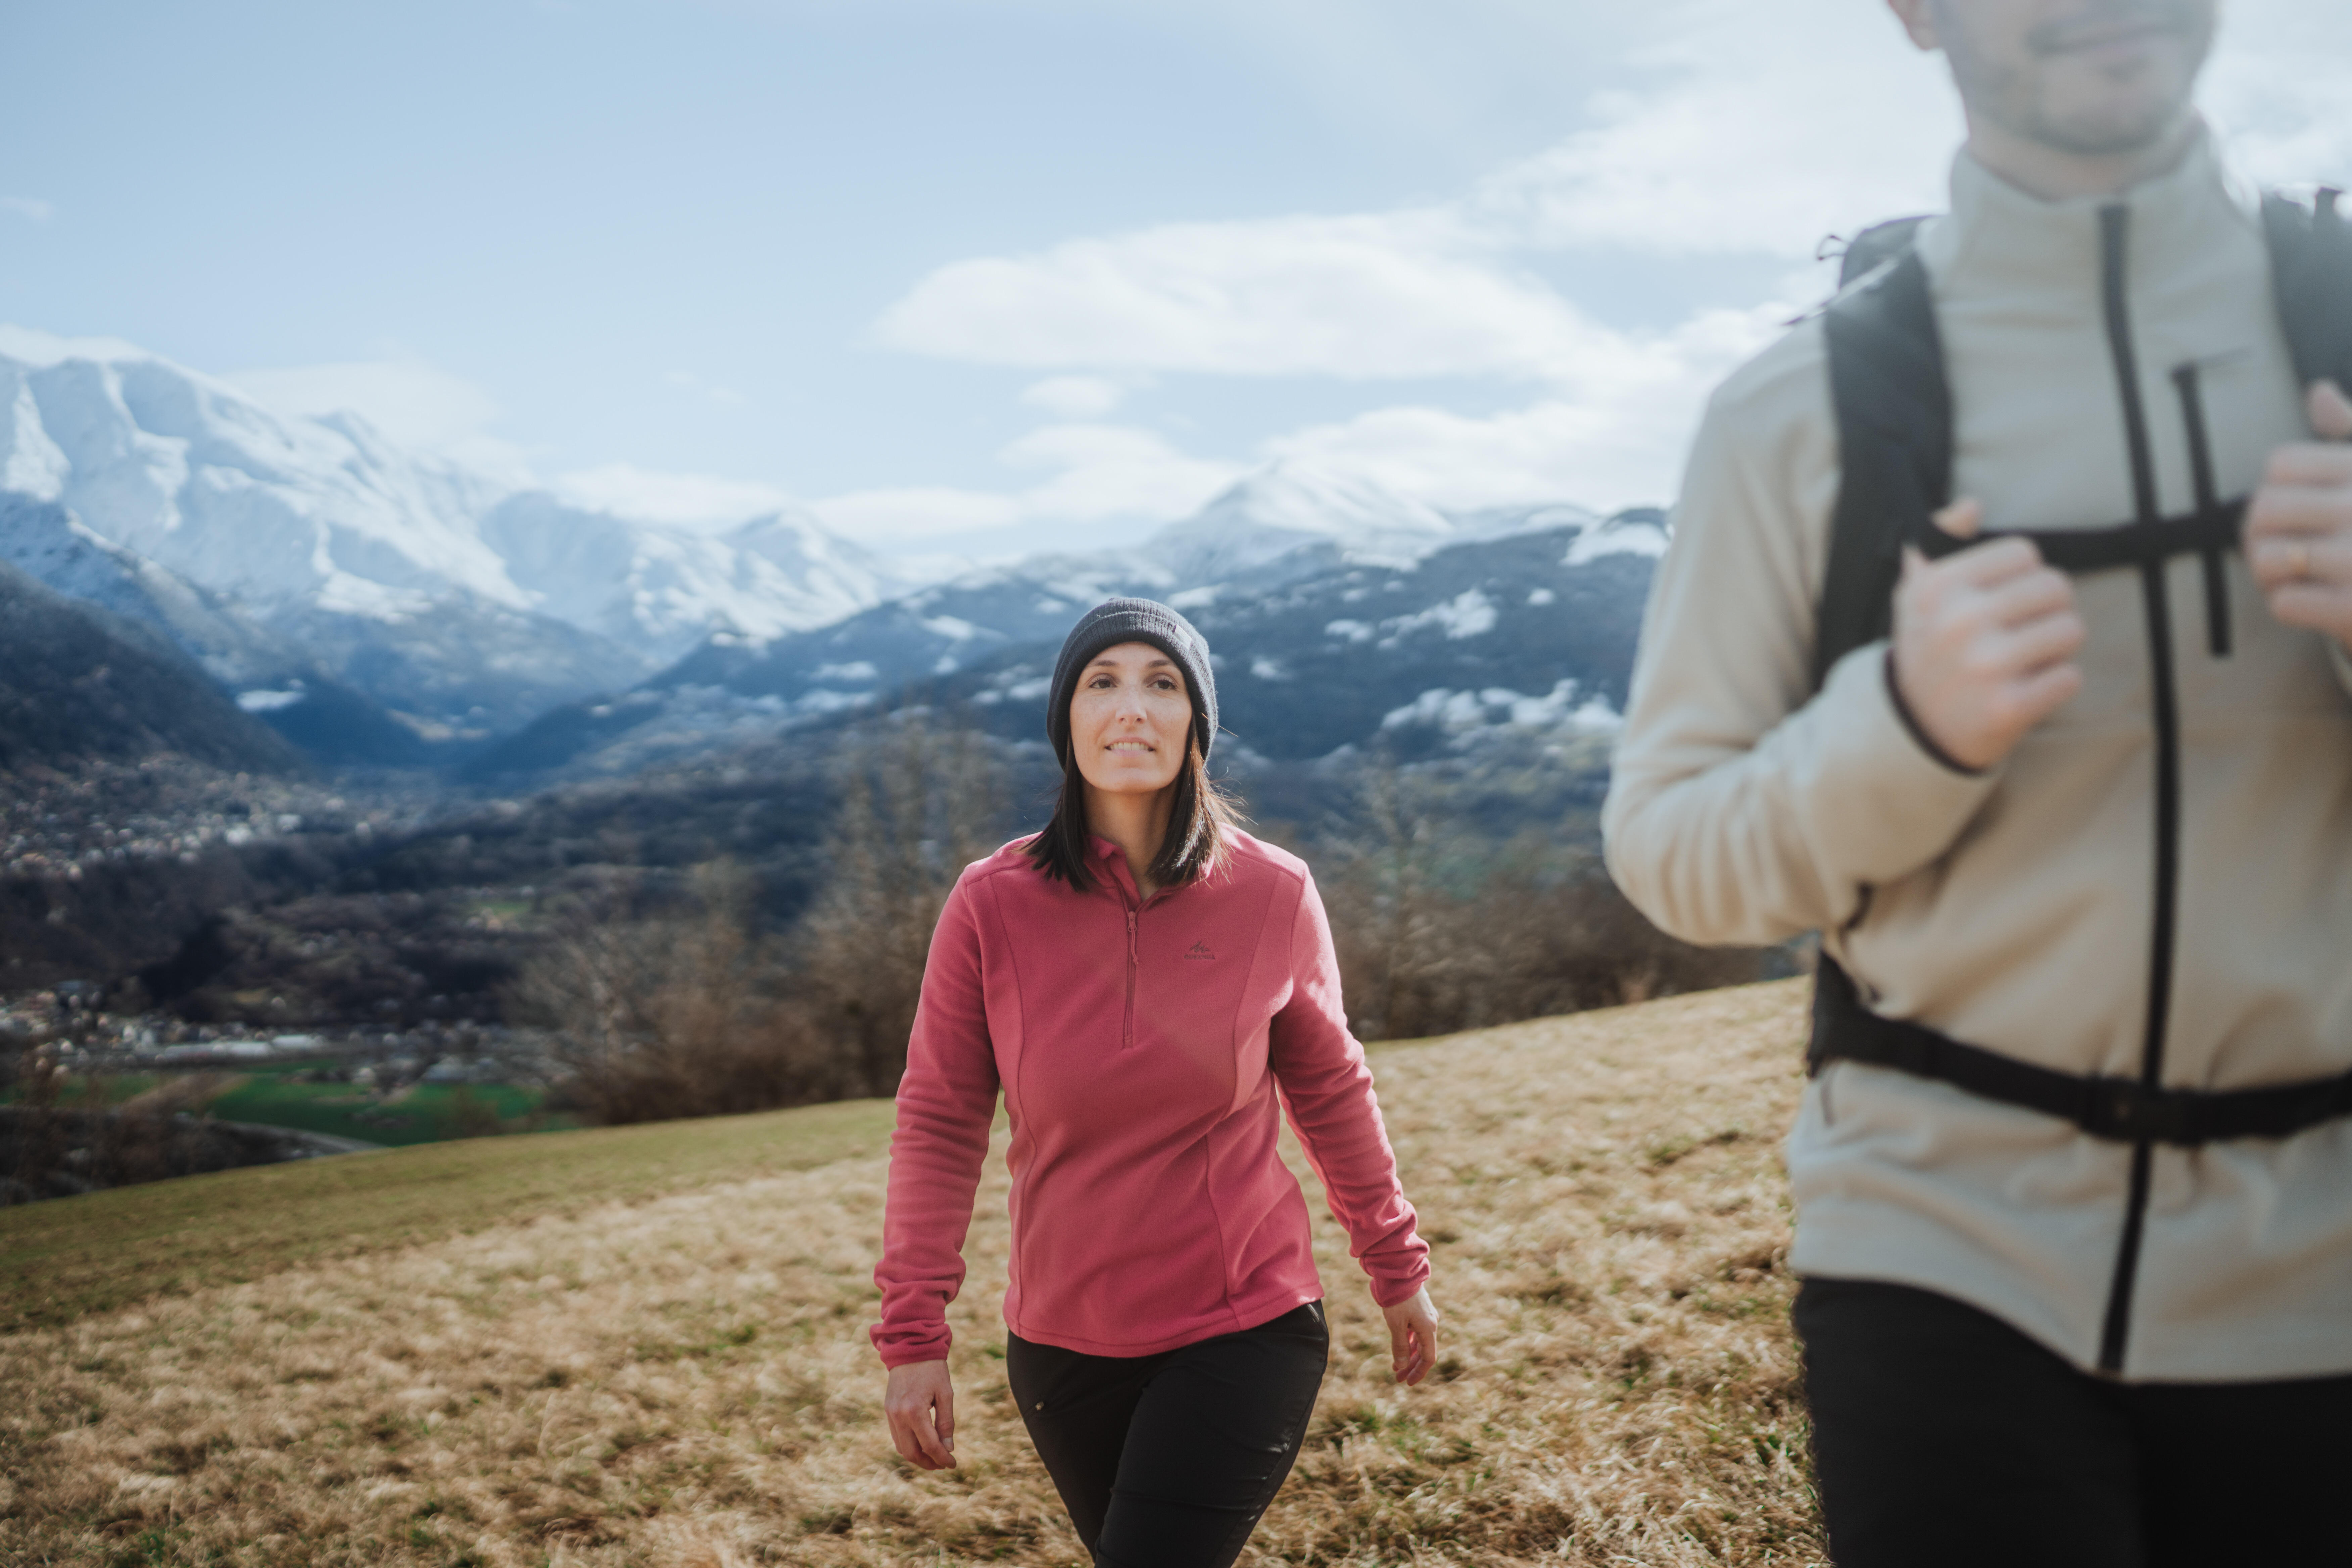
(2128, 1111)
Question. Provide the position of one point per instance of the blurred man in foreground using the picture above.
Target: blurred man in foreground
(2006, 640)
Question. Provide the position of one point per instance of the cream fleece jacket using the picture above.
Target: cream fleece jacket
(2013, 909)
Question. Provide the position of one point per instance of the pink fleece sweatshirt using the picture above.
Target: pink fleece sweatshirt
(1141, 1052)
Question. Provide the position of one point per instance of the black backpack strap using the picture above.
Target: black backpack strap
(1872, 249)
(2311, 267)
(1894, 408)
(2122, 1109)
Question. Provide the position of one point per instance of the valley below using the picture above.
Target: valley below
(356, 793)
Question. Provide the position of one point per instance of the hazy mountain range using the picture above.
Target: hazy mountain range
(280, 550)
(373, 605)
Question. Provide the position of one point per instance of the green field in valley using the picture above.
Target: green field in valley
(73, 1256)
(427, 1114)
(276, 1096)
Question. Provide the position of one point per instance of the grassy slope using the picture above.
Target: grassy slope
(61, 1261)
(684, 1383)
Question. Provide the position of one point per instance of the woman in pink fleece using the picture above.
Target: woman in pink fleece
(1149, 988)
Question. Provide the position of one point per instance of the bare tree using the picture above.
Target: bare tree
(1440, 931)
(680, 1013)
(693, 1011)
(1388, 909)
(919, 802)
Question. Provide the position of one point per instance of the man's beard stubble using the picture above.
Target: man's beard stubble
(2016, 96)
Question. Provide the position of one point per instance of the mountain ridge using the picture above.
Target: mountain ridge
(79, 684)
(381, 607)
(379, 563)
(1550, 599)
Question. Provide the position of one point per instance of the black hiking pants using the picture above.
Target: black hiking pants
(1945, 1439)
(1167, 1460)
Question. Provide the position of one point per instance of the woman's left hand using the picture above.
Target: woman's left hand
(1412, 1336)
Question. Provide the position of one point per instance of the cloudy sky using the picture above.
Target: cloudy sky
(982, 275)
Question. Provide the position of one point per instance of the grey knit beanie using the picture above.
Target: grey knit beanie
(1117, 621)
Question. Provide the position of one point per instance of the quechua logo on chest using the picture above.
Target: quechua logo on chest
(1198, 952)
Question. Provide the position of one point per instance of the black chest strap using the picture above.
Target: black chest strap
(1891, 393)
(2124, 1110)
(2084, 550)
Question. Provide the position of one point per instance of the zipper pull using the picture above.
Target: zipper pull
(1127, 1020)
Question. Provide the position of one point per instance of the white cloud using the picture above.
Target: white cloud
(1393, 295)
(687, 380)
(1735, 130)
(413, 403)
(918, 512)
(680, 500)
(1615, 437)
(31, 208)
(1750, 131)
(1076, 397)
(1092, 474)
(1744, 129)
(35, 346)
(2280, 86)
(1104, 473)
(1758, 131)
(1765, 127)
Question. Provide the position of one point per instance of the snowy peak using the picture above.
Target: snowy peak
(662, 589)
(323, 532)
(1286, 507)
(192, 473)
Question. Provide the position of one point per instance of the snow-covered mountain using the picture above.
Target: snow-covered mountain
(374, 604)
(268, 674)
(1300, 513)
(447, 594)
(1529, 614)
(663, 591)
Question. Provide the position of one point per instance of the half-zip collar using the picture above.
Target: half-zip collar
(1122, 883)
(2002, 240)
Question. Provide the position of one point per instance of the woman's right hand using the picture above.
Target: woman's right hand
(920, 1405)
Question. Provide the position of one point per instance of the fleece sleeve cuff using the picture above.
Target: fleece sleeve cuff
(1917, 731)
(1881, 800)
(1392, 1288)
(905, 1349)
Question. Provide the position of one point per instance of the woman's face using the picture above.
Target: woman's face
(1132, 720)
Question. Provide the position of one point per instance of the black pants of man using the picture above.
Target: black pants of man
(1945, 1439)
(1167, 1460)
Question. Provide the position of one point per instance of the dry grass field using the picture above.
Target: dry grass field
(682, 1381)
(61, 1262)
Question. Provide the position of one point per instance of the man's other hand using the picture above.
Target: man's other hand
(2299, 529)
(1984, 641)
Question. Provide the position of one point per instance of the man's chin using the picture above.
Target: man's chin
(2110, 135)
(2117, 105)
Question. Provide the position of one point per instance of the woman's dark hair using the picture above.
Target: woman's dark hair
(1198, 826)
